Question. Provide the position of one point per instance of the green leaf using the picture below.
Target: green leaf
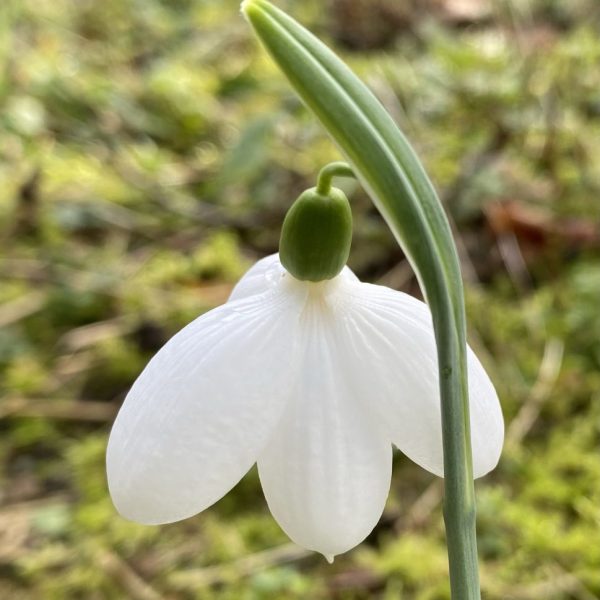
(245, 160)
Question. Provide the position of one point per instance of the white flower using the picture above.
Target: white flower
(314, 382)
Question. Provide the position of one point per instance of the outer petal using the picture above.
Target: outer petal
(265, 274)
(197, 417)
(259, 278)
(395, 368)
(326, 472)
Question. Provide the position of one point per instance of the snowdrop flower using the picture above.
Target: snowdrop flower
(312, 380)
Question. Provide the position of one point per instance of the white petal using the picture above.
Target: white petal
(326, 472)
(258, 278)
(265, 274)
(197, 417)
(392, 337)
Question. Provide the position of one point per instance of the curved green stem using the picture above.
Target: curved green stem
(328, 172)
(390, 171)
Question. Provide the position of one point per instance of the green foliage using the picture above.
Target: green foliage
(148, 154)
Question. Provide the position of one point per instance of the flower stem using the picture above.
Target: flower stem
(328, 172)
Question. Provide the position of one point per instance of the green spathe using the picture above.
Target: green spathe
(316, 235)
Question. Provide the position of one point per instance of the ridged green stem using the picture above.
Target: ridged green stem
(388, 168)
(328, 172)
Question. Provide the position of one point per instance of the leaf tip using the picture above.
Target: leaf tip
(246, 7)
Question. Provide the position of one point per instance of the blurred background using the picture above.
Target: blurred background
(148, 152)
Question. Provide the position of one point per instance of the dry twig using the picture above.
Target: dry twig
(70, 410)
(132, 583)
(248, 565)
(547, 376)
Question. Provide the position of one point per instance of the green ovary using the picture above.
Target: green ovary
(316, 235)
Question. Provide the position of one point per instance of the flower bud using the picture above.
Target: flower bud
(316, 235)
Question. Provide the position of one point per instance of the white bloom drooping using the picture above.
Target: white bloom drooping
(312, 381)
